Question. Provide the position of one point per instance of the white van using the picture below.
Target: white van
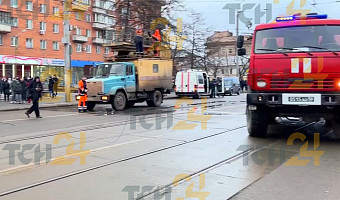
(192, 83)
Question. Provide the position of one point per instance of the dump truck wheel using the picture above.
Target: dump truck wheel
(257, 123)
(119, 101)
(90, 105)
(156, 99)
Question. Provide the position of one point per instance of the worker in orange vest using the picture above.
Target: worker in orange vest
(157, 42)
(82, 90)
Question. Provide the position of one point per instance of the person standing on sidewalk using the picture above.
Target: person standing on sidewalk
(24, 90)
(50, 86)
(35, 90)
(55, 85)
(16, 90)
(1, 83)
(6, 89)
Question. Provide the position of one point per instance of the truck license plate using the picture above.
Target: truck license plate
(301, 99)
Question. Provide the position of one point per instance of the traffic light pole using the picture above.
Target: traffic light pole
(67, 45)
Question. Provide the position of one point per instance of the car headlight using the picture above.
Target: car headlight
(261, 83)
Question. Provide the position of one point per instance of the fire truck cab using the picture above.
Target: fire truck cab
(294, 72)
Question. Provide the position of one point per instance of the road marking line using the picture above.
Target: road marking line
(14, 120)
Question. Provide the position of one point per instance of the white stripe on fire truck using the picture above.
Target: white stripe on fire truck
(295, 65)
(307, 65)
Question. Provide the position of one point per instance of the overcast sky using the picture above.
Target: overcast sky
(218, 18)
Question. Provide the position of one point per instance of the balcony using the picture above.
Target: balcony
(96, 40)
(98, 10)
(97, 25)
(79, 6)
(5, 28)
(79, 38)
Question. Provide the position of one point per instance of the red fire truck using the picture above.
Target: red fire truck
(294, 72)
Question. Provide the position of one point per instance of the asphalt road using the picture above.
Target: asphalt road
(194, 151)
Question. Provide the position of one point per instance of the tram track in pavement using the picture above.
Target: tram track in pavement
(113, 162)
(107, 124)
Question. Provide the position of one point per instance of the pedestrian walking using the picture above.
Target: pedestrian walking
(55, 85)
(24, 90)
(82, 90)
(16, 91)
(6, 88)
(50, 86)
(35, 90)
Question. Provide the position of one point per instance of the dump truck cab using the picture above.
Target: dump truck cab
(122, 84)
(294, 72)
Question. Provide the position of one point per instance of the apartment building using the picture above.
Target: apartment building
(31, 35)
(222, 51)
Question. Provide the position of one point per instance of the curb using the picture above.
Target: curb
(41, 106)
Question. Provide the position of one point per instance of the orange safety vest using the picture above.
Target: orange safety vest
(157, 36)
(82, 87)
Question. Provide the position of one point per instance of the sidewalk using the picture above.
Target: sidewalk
(46, 102)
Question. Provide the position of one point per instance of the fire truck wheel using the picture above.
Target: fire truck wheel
(156, 99)
(257, 123)
(90, 105)
(119, 101)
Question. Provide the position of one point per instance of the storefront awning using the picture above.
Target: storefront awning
(81, 63)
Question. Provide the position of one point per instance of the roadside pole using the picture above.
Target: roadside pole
(236, 52)
(67, 56)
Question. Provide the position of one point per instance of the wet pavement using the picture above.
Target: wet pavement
(199, 150)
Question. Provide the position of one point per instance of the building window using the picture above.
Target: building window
(14, 3)
(88, 18)
(79, 48)
(55, 45)
(15, 21)
(55, 11)
(42, 8)
(5, 18)
(78, 31)
(107, 50)
(155, 68)
(29, 5)
(29, 43)
(43, 26)
(43, 44)
(230, 51)
(88, 33)
(55, 28)
(98, 49)
(14, 41)
(0, 39)
(29, 24)
(88, 48)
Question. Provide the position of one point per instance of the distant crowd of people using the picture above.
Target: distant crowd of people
(17, 91)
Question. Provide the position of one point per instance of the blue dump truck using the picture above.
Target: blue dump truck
(122, 84)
